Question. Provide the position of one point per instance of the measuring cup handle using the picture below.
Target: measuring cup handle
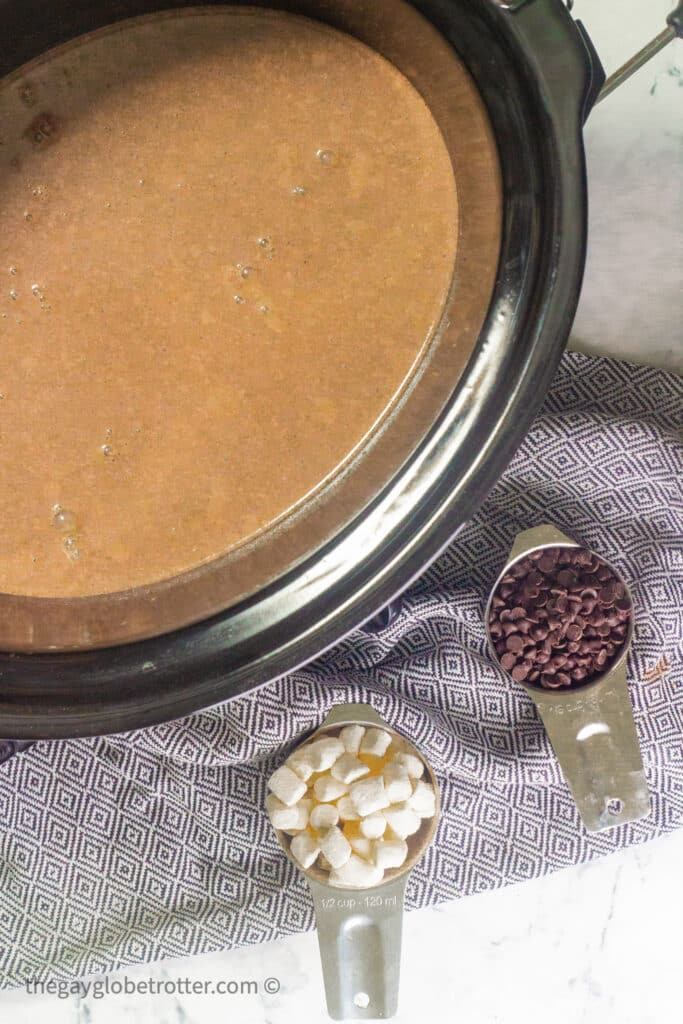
(359, 936)
(594, 736)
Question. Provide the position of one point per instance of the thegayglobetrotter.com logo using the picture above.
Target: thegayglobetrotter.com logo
(100, 988)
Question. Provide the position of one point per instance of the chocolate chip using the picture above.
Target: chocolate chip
(515, 643)
(550, 682)
(508, 661)
(519, 673)
(574, 632)
(518, 613)
(563, 679)
(509, 628)
(546, 563)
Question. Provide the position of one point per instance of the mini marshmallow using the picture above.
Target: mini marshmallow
(305, 849)
(402, 820)
(375, 742)
(423, 800)
(348, 768)
(361, 846)
(369, 795)
(397, 782)
(326, 788)
(303, 809)
(347, 809)
(389, 853)
(351, 735)
(356, 874)
(373, 826)
(321, 754)
(412, 764)
(280, 815)
(287, 786)
(324, 816)
(300, 765)
(335, 847)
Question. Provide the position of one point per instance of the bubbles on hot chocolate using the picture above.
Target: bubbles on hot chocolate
(63, 519)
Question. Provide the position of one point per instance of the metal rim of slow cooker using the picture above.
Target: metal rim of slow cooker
(534, 75)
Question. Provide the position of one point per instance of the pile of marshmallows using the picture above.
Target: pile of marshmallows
(350, 802)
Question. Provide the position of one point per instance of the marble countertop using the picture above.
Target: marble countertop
(631, 303)
(595, 944)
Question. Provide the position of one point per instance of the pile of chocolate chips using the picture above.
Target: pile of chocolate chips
(559, 617)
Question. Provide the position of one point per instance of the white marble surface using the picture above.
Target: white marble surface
(599, 944)
(632, 304)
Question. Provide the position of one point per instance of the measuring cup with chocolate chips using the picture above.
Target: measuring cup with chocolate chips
(560, 621)
(560, 616)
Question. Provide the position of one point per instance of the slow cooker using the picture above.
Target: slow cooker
(512, 114)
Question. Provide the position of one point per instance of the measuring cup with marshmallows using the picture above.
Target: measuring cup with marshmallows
(560, 621)
(355, 807)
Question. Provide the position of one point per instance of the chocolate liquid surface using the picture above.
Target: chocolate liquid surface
(226, 240)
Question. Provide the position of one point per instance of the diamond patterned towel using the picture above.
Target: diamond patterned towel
(130, 848)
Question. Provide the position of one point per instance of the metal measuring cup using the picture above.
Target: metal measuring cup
(590, 726)
(359, 930)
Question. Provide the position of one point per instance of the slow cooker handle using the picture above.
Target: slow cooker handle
(673, 30)
(597, 87)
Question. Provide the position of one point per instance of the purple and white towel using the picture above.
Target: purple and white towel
(130, 848)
